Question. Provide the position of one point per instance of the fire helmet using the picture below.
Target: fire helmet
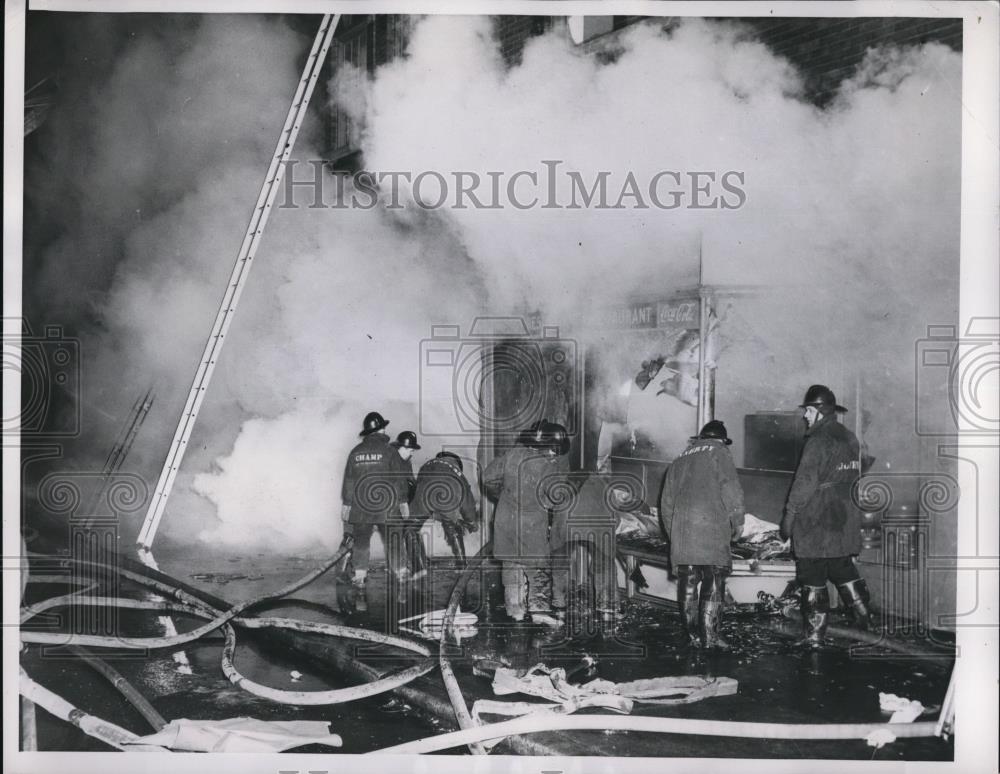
(558, 438)
(714, 430)
(533, 435)
(407, 439)
(372, 423)
(822, 397)
(548, 435)
(452, 458)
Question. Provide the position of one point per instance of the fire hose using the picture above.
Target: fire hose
(123, 686)
(388, 682)
(537, 723)
(142, 643)
(109, 733)
(470, 734)
(869, 638)
(465, 720)
(191, 605)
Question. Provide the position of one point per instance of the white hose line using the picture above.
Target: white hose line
(386, 683)
(145, 604)
(462, 715)
(47, 604)
(109, 733)
(265, 622)
(165, 589)
(389, 682)
(539, 723)
(154, 643)
(335, 630)
(198, 608)
(51, 579)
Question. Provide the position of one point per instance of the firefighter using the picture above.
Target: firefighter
(526, 483)
(405, 444)
(821, 518)
(444, 494)
(598, 501)
(701, 509)
(372, 491)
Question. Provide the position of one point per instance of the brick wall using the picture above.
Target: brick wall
(824, 50)
(513, 32)
(828, 50)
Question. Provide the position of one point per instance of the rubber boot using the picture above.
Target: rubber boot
(687, 601)
(854, 594)
(554, 619)
(815, 607)
(711, 610)
(515, 592)
(360, 592)
(711, 624)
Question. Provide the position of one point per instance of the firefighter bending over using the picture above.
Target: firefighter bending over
(444, 494)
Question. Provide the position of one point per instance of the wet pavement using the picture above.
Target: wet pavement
(777, 682)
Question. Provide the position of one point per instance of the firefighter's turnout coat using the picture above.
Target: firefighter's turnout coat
(701, 506)
(820, 515)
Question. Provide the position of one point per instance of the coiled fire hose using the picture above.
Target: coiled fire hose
(388, 682)
(471, 734)
(191, 605)
(465, 720)
(142, 643)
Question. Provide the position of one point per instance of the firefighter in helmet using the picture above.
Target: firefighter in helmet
(701, 509)
(528, 481)
(444, 494)
(821, 517)
(415, 566)
(373, 491)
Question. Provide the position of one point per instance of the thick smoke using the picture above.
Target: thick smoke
(849, 230)
(329, 324)
(842, 204)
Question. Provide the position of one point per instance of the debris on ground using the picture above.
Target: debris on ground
(566, 698)
(245, 735)
(552, 685)
(429, 625)
(880, 738)
(224, 577)
(903, 710)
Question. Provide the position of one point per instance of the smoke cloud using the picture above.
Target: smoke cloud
(842, 204)
(849, 230)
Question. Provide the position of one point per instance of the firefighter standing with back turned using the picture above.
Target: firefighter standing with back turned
(821, 518)
(405, 444)
(701, 508)
(373, 490)
(528, 481)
